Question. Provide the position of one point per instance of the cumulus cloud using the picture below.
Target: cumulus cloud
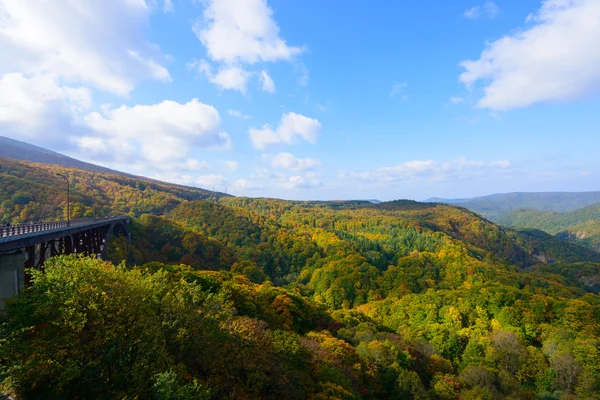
(267, 83)
(89, 42)
(488, 10)
(231, 165)
(239, 33)
(307, 181)
(290, 126)
(289, 161)
(226, 77)
(236, 31)
(244, 185)
(208, 181)
(38, 107)
(56, 55)
(431, 171)
(164, 132)
(237, 114)
(456, 100)
(555, 59)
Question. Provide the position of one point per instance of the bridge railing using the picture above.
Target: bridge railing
(32, 227)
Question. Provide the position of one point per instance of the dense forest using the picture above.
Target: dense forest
(497, 206)
(261, 298)
(581, 226)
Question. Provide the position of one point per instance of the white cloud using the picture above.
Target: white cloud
(227, 77)
(168, 6)
(501, 164)
(231, 165)
(235, 31)
(243, 185)
(267, 83)
(556, 59)
(176, 171)
(193, 165)
(39, 108)
(456, 100)
(232, 78)
(164, 132)
(208, 181)
(237, 114)
(157, 137)
(399, 89)
(238, 33)
(302, 73)
(288, 161)
(489, 10)
(290, 126)
(97, 43)
(431, 171)
(306, 181)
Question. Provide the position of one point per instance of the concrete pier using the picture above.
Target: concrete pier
(12, 274)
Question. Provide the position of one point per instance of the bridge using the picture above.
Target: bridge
(28, 245)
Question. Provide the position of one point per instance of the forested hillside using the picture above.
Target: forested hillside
(262, 298)
(551, 222)
(581, 226)
(30, 191)
(496, 206)
(586, 234)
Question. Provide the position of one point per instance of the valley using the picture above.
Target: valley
(348, 299)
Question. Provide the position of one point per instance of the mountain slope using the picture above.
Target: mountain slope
(586, 234)
(345, 299)
(580, 226)
(22, 151)
(17, 150)
(33, 191)
(496, 206)
(550, 222)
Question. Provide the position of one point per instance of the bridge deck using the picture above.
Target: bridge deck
(23, 235)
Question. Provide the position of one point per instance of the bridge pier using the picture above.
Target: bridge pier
(12, 274)
(29, 245)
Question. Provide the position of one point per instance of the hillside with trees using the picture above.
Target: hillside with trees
(261, 298)
(34, 191)
(581, 226)
(497, 206)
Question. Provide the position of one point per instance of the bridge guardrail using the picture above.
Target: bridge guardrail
(10, 230)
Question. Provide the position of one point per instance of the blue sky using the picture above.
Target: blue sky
(307, 99)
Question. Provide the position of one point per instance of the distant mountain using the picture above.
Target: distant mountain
(549, 221)
(496, 206)
(17, 150)
(443, 200)
(581, 226)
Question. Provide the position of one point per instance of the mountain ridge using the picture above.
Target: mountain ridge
(23, 151)
(496, 206)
